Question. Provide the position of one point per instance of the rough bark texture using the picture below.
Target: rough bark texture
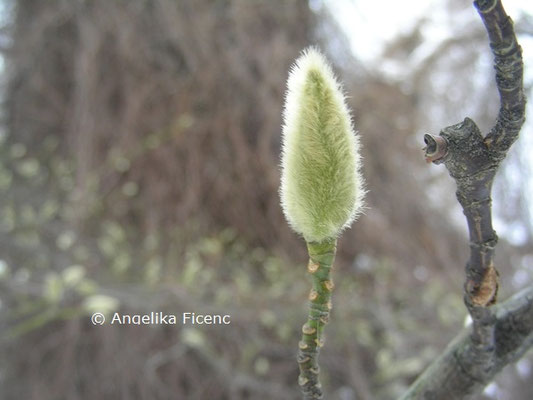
(496, 337)
(454, 375)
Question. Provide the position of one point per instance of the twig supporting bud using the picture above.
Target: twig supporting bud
(321, 254)
(321, 190)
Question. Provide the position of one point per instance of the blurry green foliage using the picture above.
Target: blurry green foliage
(60, 268)
(100, 303)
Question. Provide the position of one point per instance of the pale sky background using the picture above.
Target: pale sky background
(369, 28)
(368, 19)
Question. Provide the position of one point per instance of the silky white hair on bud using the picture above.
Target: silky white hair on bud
(321, 186)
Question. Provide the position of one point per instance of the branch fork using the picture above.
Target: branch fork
(472, 160)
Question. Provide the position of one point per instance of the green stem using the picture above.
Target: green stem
(321, 256)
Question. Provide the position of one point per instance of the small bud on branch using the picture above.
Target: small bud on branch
(436, 148)
(321, 187)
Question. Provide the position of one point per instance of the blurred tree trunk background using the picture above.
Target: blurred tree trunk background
(139, 171)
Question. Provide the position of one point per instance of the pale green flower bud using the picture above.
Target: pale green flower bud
(321, 186)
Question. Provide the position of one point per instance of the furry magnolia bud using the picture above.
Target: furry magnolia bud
(321, 187)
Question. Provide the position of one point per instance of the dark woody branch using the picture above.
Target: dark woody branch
(472, 160)
(455, 374)
(509, 75)
(472, 165)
